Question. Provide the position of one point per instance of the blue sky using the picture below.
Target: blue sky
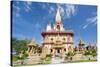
(29, 19)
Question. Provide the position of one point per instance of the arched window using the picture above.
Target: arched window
(51, 50)
(65, 49)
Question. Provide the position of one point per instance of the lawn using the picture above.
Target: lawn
(83, 61)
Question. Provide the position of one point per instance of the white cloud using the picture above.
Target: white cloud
(91, 20)
(67, 10)
(43, 6)
(17, 10)
(27, 6)
(17, 15)
(85, 26)
(37, 25)
(17, 2)
(62, 11)
(29, 2)
(51, 10)
(70, 10)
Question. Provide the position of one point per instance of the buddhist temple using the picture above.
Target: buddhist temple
(31, 48)
(81, 46)
(57, 41)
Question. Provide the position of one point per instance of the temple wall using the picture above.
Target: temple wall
(53, 38)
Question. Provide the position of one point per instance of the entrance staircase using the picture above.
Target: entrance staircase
(57, 59)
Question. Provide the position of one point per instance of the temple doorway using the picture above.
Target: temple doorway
(58, 52)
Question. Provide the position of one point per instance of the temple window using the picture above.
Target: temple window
(52, 39)
(64, 39)
(58, 50)
(65, 49)
(51, 50)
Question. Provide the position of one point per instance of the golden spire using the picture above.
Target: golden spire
(58, 17)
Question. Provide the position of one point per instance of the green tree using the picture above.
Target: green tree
(18, 45)
(94, 52)
(69, 55)
(22, 56)
(90, 51)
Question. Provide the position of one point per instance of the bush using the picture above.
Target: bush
(15, 58)
(48, 55)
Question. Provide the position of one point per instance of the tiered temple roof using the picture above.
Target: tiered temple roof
(58, 27)
(32, 43)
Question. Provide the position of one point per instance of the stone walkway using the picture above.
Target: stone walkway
(57, 60)
(35, 59)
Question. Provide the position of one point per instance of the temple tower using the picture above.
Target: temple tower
(81, 47)
(56, 40)
(31, 48)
